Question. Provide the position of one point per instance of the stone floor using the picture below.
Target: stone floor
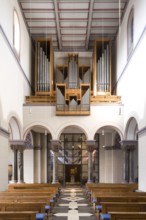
(73, 205)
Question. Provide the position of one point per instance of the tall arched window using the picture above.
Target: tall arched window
(130, 32)
(16, 33)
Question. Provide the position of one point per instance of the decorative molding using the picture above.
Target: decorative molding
(55, 145)
(18, 144)
(37, 147)
(128, 144)
(141, 131)
(90, 144)
(4, 132)
(15, 56)
(111, 147)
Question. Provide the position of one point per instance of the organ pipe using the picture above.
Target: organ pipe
(43, 69)
(103, 70)
(73, 70)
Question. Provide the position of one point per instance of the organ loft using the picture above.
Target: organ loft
(73, 85)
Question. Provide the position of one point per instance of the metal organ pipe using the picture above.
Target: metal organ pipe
(43, 70)
(103, 71)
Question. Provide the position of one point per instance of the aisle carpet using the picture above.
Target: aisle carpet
(73, 205)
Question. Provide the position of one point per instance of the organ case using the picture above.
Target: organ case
(102, 67)
(43, 67)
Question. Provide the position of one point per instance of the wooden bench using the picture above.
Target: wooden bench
(33, 186)
(127, 215)
(18, 215)
(123, 207)
(23, 206)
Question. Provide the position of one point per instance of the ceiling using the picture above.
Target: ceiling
(73, 25)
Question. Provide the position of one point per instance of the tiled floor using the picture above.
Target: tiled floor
(73, 205)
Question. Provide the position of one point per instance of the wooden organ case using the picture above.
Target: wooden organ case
(73, 88)
(102, 72)
(43, 67)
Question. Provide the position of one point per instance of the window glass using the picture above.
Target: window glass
(130, 32)
(16, 33)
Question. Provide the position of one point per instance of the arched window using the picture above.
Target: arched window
(130, 32)
(16, 33)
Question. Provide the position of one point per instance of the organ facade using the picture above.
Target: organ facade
(73, 85)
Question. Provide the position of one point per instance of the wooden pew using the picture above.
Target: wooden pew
(18, 215)
(123, 207)
(121, 198)
(100, 186)
(23, 206)
(127, 215)
(33, 186)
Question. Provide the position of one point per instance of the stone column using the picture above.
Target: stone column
(14, 172)
(20, 164)
(37, 158)
(43, 158)
(49, 159)
(90, 147)
(18, 146)
(128, 147)
(97, 164)
(55, 145)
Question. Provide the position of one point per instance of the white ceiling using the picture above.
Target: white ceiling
(73, 25)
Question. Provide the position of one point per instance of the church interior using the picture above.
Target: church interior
(72, 93)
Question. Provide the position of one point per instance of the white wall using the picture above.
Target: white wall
(14, 76)
(131, 75)
(100, 115)
(29, 166)
(3, 162)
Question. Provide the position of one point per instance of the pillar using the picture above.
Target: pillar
(18, 147)
(14, 172)
(55, 145)
(128, 147)
(37, 158)
(49, 159)
(20, 164)
(90, 147)
(43, 158)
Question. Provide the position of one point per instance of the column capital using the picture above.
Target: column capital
(17, 144)
(128, 144)
(90, 145)
(37, 147)
(55, 145)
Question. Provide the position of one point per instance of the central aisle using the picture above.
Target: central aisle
(73, 205)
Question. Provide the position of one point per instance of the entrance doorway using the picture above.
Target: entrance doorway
(72, 173)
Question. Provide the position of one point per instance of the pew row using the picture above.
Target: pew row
(124, 216)
(18, 215)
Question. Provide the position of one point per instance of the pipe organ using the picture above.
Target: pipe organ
(102, 67)
(43, 66)
(73, 88)
(73, 71)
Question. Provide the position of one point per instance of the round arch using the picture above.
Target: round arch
(131, 129)
(73, 125)
(14, 129)
(39, 125)
(117, 128)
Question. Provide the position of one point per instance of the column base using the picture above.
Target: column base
(12, 181)
(20, 182)
(55, 182)
(90, 181)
